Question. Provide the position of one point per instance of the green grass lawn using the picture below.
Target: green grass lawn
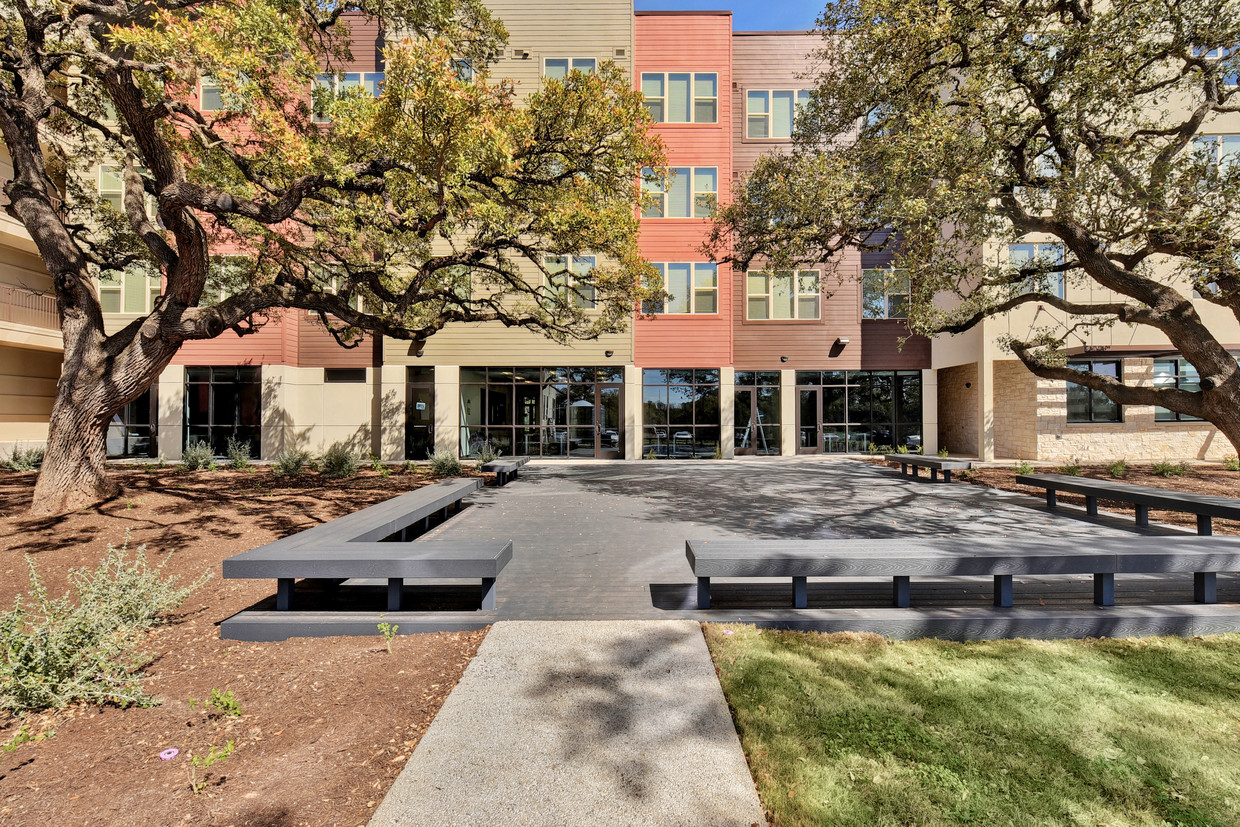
(856, 729)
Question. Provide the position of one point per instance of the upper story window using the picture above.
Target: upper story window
(112, 186)
(133, 290)
(1219, 149)
(770, 113)
(781, 294)
(336, 84)
(1175, 373)
(692, 287)
(1088, 405)
(1046, 256)
(559, 67)
(463, 68)
(682, 97)
(567, 279)
(210, 95)
(691, 193)
(1229, 80)
(884, 293)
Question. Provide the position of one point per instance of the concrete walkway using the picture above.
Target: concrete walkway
(580, 723)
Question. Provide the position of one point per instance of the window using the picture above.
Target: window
(691, 193)
(223, 402)
(1087, 405)
(1045, 257)
(680, 413)
(334, 376)
(682, 97)
(210, 95)
(693, 287)
(1216, 55)
(771, 113)
(884, 294)
(132, 431)
(858, 410)
(133, 290)
(780, 294)
(334, 85)
(559, 67)
(757, 413)
(112, 186)
(463, 68)
(1175, 373)
(1219, 150)
(568, 279)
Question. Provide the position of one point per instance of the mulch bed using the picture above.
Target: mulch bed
(325, 724)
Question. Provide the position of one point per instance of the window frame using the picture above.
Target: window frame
(206, 82)
(338, 86)
(116, 286)
(1218, 140)
(1178, 378)
(890, 274)
(693, 100)
(694, 193)
(1092, 395)
(799, 98)
(569, 288)
(1061, 281)
(798, 296)
(650, 309)
(571, 59)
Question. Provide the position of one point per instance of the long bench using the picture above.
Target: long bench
(1143, 497)
(902, 559)
(350, 547)
(935, 464)
(504, 468)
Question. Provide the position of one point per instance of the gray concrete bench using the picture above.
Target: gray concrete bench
(504, 468)
(349, 547)
(935, 464)
(1143, 497)
(902, 559)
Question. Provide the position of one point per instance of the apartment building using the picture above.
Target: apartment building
(762, 362)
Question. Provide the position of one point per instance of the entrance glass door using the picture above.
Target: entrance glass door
(420, 422)
(609, 425)
(809, 421)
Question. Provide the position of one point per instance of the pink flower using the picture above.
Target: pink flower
(728, 632)
(168, 754)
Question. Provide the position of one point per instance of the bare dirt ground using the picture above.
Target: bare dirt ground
(325, 724)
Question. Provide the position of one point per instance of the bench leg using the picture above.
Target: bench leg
(903, 470)
(1003, 591)
(915, 469)
(1205, 587)
(1143, 516)
(284, 594)
(934, 475)
(1051, 502)
(800, 593)
(1205, 525)
(947, 475)
(1091, 506)
(1104, 589)
(899, 591)
(703, 592)
(488, 593)
(396, 585)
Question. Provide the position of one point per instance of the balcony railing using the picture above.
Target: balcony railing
(21, 306)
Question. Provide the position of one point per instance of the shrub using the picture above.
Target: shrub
(1231, 463)
(1118, 469)
(1024, 466)
(487, 453)
(1071, 468)
(224, 703)
(82, 647)
(238, 453)
(1166, 468)
(23, 459)
(291, 463)
(944, 453)
(339, 461)
(901, 449)
(445, 464)
(198, 456)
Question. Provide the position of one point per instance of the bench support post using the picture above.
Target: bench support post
(488, 593)
(947, 475)
(1143, 516)
(1205, 525)
(395, 586)
(800, 592)
(934, 474)
(916, 469)
(1091, 506)
(703, 592)
(284, 594)
(1104, 589)
(1003, 591)
(1205, 587)
(1050, 498)
(904, 469)
(899, 591)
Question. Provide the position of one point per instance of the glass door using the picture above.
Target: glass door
(420, 422)
(809, 420)
(609, 424)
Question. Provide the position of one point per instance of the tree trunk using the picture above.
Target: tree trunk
(73, 475)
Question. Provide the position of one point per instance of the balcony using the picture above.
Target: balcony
(28, 318)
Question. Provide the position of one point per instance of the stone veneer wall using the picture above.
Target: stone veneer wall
(958, 409)
(1138, 437)
(1016, 411)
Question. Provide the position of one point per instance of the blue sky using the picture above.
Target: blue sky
(750, 15)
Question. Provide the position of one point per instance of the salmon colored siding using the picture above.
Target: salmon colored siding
(266, 347)
(318, 348)
(881, 346)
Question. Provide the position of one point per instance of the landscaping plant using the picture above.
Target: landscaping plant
(444, 463)
(339, 461)
(215, 755)
(198, 456)
(291, 463)
(23, 459)
(1166, 468)
(1231, 462)
(1024, 466)
(1118, 469)
(224, 703)
(1071, 468)
(389, 634)
(487, 453)
(944, 453)
(238, 453)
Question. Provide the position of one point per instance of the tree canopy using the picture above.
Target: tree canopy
(946, 130)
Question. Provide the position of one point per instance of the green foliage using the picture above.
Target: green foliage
(1118, 469)
(215, 755)
(291, 463)
(340, 461)
(238, 453)
(224, 703)
(1166, 468)
(1024, 466)
(1071, 468)
(389, 634)
(487, 453)
(944, 453)
(902, 449)
(718, 451)
(651, 454)
(25, 735)
(1231, 462)
(83, 647)
(852, 730)
(444, 463)
(23, 459)
(198, 456)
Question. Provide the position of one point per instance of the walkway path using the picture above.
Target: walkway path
(580, 723)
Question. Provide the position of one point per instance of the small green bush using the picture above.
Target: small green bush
(901, 449)
(1071, 468)
(1024, 466)
(83, 647)
(225, 703)
(487, 453)
(291, 463)
(339, 461)
(198, 456)
(238, 453)
(23, 459)
(1118, 469)
(1166, 468)
(944, 453)
(445, 464)
(1231, 463)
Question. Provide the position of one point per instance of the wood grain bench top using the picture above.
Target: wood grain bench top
(1139, 494)
(942, 463)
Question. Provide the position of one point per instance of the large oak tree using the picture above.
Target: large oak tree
(957, 122)
(373, 211)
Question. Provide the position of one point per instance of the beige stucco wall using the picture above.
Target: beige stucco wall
(301, 411)
(958, 409)
(27, 391)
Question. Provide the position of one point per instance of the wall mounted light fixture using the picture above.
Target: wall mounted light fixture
(783, 358)
(842, 340)
(609, 353)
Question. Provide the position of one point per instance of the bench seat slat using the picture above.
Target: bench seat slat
(416, 559)
(1146, 495)
(941, 463)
